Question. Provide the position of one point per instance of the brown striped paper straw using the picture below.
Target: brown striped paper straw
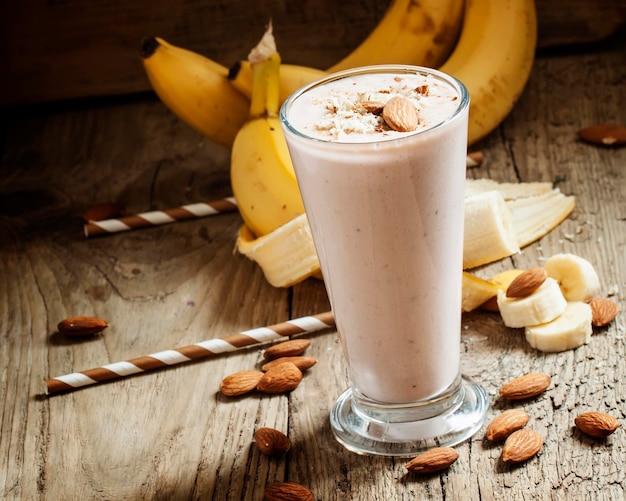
(154, 218)
(188, 353)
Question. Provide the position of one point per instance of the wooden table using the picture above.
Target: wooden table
(169, 435)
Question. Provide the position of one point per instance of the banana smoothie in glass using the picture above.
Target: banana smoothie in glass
(379, 153)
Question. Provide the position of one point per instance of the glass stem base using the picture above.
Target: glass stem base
(369, 427)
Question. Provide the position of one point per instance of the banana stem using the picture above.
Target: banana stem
(265, 62)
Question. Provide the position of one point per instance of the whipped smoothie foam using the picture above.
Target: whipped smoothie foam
(386, 212)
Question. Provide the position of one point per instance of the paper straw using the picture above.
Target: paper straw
(474, 159)
(154, 218)
(197, 351)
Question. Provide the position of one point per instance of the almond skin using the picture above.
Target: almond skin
(596, 424)
(281, 378)
(272, 442)
(604, 134)
(506, 423)
(302, 363)
(291, 348)
(603, 311)
(527, 386)
(287, 491)
(240, 383)
(82, 326)
(521, 445)
(526, 283)
(433, 460)
(400, 114)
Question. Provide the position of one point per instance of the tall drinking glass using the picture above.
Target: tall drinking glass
(385, 203)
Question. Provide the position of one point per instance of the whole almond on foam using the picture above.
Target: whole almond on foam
(506, 423)
(272, 442)
(82, 326)
(596, 424)
(400, 114)
(521, 445)
(287, 491)
(240, 383)
(527, 386)
(281, 378)
(433, 460)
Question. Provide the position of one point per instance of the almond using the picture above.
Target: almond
(280, 379)
(603, 311)
(521, 445)
(526, 283)
(287, 491)
(271, 441)
(526, 386)
(506, 423)
(375, 107)
(302, 363)
(82, 326)
(102, 211)
(605, 134)
(400, 114)
(432, 460)
(291, 348)
(240, 383)
(596, 424)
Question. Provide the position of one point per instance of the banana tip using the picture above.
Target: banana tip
(233, 71)
(149, 45)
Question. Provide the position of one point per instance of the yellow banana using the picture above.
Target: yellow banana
(292, 77)
(196, 89)
(262, 176)
(493, 58)
(419, 33)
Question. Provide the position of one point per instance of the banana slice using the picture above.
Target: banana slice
(540, 307)
(569, 330)
(286, 255)
(489, 234)
(576, 276)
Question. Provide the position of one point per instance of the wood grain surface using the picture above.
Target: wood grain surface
(170, 435)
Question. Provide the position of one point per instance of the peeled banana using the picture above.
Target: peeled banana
(196, 89)
(489, 234)
(261, 173)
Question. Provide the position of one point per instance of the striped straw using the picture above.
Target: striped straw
(190, 352)
(154, 218)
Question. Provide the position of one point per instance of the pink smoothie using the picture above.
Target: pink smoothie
(386, 212)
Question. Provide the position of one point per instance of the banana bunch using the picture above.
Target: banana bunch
(487, 44)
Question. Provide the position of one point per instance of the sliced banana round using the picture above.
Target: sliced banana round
(576, 276)
(569, 330)
(286, 255)
(542, 306)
